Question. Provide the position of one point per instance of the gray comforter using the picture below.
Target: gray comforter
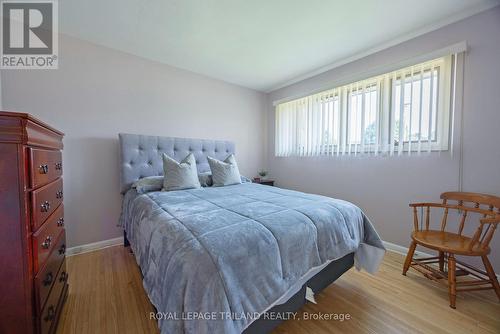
(224, 254)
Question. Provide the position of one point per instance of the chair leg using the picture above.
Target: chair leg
(492, 275)
(441, 261)
(409, 257)
(452, 280)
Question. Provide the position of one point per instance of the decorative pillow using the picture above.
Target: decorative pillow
(155, 183)
(206, 179)
(225, 172)
(147, 184)
(183, 175)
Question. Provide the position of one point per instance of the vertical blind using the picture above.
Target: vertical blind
(403, 111)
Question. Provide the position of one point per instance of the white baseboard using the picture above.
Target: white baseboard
(401, 249)
(94, 246)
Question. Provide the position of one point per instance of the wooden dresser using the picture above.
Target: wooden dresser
(33, 277)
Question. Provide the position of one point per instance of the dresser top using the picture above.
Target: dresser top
(23, 128)
(15, 114)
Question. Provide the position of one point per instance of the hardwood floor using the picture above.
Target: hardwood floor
(106, 296)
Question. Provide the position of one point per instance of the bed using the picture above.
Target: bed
(237, 258)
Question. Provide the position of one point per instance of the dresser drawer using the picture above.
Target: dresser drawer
(44, 201)
(45, 237)
(47, 275)
(45, 166)
(51, 309)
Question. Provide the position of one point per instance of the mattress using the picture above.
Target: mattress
(215, 258)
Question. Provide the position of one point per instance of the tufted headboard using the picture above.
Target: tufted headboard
(141, 155)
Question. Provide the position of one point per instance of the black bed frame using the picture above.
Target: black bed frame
(317, 283)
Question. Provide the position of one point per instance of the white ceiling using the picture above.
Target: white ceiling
(260, 44)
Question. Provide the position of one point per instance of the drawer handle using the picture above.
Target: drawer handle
(43, 169)
(58, 165)
(48, 279)
(60, 222)
(59, 194)
(45, 207)
(47, 242)
(62, 250)
(64, 277)
(51, 313)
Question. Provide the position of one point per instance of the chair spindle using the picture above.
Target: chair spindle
(445, 217)
(462, 222)
(490, 235)
(415, 219)
(427, 217)
(476, 236)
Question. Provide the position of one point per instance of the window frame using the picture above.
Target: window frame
(445, 70)
(384, 116)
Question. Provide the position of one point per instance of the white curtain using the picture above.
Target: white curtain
(404, 111)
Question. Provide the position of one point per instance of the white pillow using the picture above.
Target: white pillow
(147, 184)
(180, 175)
(225, 172)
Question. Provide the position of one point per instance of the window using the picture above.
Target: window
(407, 110)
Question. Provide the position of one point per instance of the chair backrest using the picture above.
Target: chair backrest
(493, 202)
(487, 205)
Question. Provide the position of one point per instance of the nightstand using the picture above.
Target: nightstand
(264, 182)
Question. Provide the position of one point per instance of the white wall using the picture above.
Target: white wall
(383, 187)
(98, 92)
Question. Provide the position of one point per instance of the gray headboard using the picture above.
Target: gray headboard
(141, 155)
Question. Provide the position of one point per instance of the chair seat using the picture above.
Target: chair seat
(448, 242)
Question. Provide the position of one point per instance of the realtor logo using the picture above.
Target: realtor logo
(29, 34)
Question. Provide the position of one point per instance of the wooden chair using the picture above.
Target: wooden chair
(450, 244)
